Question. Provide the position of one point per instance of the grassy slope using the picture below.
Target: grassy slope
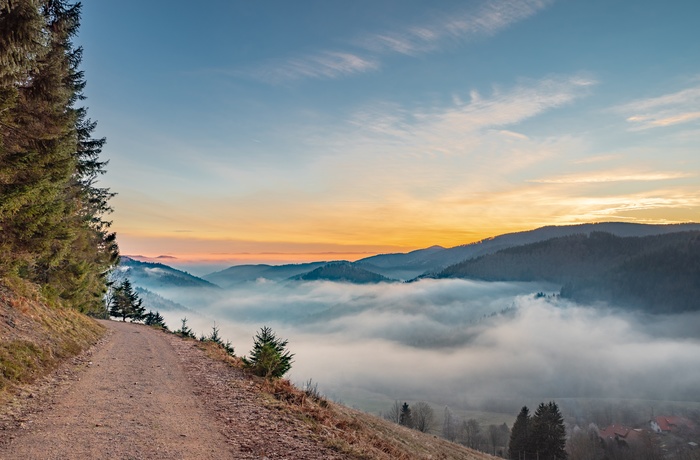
(354, 433)
(36, 337)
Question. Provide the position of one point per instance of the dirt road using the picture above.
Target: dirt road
(143, 394)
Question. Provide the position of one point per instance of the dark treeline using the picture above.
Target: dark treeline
(655, 273)
(52, 227)
(342, 272)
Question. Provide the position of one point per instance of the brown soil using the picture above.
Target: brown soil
(144, 394)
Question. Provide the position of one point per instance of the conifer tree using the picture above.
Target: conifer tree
(154, 319)
(185, 331)
(548, 434)
(519, 445)
(52, 227)
(126, 303)
(406, 418)
(269, 357)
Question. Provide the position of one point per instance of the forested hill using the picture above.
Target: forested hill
(659, 273)
(436, 258)
(156, 275)
(240, 274)
(342, 272)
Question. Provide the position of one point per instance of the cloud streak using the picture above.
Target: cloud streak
(366, 52)
(443, 129)
(325, 64)
(487, 20)
(613, 176)
(662, 111)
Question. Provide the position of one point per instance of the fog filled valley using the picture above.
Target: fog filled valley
(481, 348)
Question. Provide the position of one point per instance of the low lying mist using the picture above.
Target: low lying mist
(458, 342)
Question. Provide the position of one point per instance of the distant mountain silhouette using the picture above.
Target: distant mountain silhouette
(238, 274)
(436, 258)
(659, 273)
(156, 276)
(155, 302)
(342, 272)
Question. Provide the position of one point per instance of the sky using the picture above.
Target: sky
(277, 131)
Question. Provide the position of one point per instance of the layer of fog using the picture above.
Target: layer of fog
(457, 341)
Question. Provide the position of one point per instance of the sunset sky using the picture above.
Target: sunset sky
(314, 130)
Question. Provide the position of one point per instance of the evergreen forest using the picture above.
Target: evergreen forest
(53, 226)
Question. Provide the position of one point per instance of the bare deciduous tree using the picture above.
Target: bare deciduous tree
(423, 416)
(471, 433)
(394, 413)
(450, 425)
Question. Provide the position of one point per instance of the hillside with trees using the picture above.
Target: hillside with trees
(436, 258)
(53, 231)
(655, 273)
(344, 272)
(153, 275)
(240, 274)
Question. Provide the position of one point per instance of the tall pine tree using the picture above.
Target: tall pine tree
(548, 433)
(52, 227)
(519, 445)
(126, 303)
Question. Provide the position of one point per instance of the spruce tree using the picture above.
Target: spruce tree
(52, 227)
(126, 303)
(269, 357)
(154, 319)
(548, 432)
(519, 445)
(406, 418)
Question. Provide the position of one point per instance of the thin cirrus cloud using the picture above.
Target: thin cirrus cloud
(492, 17)
(662, 111)
(612, 176)
(325, 64)
(449, 129)
(489, 19)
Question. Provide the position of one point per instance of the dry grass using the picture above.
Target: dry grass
(357, 434)
(354, 434)
(35, 337)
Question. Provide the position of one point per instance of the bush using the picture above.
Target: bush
(216, 338)
(269, 357)
(185, 331)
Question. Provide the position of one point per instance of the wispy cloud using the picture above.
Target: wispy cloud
(489, 19)
(666, 110)
(432, 129)
(612, 176)
(367, 51)
(325, 64)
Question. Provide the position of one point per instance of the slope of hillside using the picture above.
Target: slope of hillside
(435, 258)
(344, 272)
(35, 337)
(657, 273)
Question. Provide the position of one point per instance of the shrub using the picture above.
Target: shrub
(269, 357)
(185, 331)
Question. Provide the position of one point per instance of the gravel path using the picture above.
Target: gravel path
(143, 394)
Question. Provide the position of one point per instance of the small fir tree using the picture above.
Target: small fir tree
(269, 357)
(406, 418)
(185, 331)
(155, 320)
(125, 303)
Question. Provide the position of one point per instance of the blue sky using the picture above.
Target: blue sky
(275, 131)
